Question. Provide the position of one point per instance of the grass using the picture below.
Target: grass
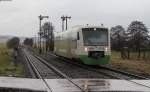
(135, 65)
(7, 67)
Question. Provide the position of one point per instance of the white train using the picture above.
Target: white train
(89, 44)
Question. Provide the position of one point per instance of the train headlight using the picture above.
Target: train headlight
(106, 49)
(85, 49)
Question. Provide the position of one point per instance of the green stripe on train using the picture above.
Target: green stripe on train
(90, 61)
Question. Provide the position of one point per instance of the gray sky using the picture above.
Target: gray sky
(19, 17)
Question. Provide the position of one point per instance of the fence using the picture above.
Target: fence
(143, 53)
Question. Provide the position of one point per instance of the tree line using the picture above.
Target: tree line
(46, 34)
(135, 38)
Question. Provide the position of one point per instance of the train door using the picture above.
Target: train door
(79, 42)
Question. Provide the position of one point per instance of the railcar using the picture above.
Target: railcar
(89, 44)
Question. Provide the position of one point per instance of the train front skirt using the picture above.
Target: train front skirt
(94, 61)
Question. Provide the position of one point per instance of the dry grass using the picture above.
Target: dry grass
(6, 65)
(140, 66)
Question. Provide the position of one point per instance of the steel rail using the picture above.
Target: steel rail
(56, 71)
(30, 60)
(31, 70)
(59, 72)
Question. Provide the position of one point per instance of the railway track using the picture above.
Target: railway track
(33, 61)
(122, 74)
(119, 74)
(34, 58)
(129, 76)
(74, 71)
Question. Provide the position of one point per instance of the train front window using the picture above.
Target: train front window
(95, 37)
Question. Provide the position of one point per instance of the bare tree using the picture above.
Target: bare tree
(118, 36)
(13, 43)
(28, 41)
(48, 35)
(137, 36)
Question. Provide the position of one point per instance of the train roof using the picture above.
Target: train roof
(78, 27)
(88, 26)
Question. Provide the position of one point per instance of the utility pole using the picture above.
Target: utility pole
(38, 44)
(67, 21)
(34, 40)
(40, 31)
(51, 37)
(65, 18)
(43, 39)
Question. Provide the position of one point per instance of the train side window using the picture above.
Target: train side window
(78, 37)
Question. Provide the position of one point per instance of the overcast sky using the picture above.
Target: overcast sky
(20, 17)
